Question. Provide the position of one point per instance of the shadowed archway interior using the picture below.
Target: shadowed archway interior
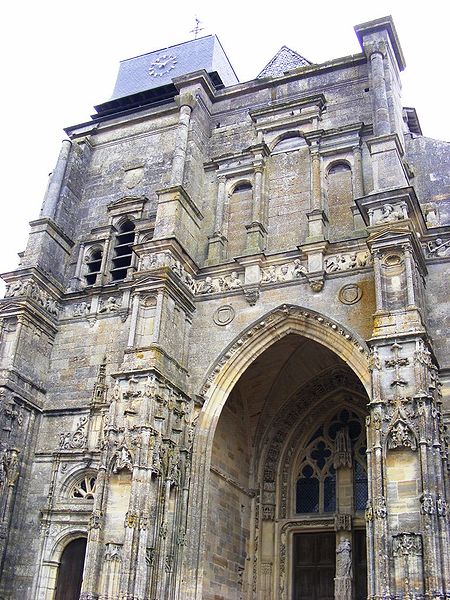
(256, 517)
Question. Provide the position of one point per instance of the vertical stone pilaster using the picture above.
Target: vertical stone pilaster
(133, 322)
(56, 181)
(217, 241)
(186, 103)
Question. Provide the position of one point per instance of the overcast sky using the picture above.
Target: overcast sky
(61, 57)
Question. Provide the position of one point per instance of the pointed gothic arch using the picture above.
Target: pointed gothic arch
(227, 370)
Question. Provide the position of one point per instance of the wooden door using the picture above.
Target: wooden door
(314, 566)
(70, 574)
(360, 565)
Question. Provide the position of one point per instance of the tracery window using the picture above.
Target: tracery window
(339, 442)
(84, 488)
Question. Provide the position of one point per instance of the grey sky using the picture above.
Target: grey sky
(61, 58)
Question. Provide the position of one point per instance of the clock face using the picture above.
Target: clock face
(162, 65)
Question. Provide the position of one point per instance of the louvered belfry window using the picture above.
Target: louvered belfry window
(123, 251)
(93, 263)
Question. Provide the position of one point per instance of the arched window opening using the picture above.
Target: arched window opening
(288, 143)
(242, 187)
(85, 488)
(70, 573)
(123, 251)
(316, 486)
(93, 264)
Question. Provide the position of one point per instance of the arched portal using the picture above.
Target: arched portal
(295, 389)
(70, 572)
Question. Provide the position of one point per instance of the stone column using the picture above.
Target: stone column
(381, 123)
(186, 103)
(358, 180)
(56, 180)
(411, 301)
(255, 229)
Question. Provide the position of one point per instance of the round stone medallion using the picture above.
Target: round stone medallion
(224, 315)
(350, 294)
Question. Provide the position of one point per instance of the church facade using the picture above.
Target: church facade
(225, 355)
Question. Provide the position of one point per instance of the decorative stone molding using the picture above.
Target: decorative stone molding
(224, 315)
(427, 504)
(407, 544)
(342, 522)
(29, 289)
(379, 508)
(350, 294)
(113, 552)
(252, 294)
(77, 439)
(278, 315)
(401, 436)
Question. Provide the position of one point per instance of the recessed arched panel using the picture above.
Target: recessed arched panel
(339, 190)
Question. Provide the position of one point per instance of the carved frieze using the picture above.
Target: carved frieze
(111, 304)
(388, 213)
(347, 261)
(29, 289)
(438, 248)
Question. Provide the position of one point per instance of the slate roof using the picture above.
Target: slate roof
(284, 60)
(135, 74)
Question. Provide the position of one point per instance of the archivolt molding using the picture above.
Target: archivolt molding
(281, 321)
(62, 539)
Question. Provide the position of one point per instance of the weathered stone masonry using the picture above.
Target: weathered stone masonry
(227, 340)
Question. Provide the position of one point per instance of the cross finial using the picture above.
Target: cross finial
(197, 28)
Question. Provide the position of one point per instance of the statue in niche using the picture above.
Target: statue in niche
(343, 449)
(344, 559)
